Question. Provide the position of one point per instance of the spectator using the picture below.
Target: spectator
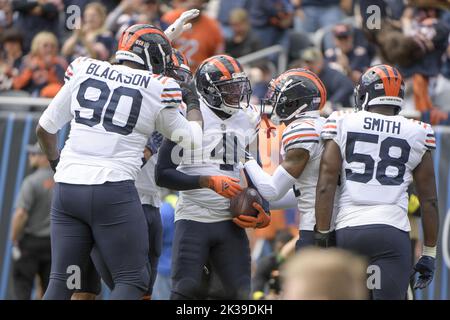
(319, 274)
(31, 227)
(313, 15)
(11, 57)
(224, 12)
(265, 282)
(130, 12)
(92, 39)
(162, 287)
(243, 40)
(203, 40)
(351, 55)
(42, 70)
(339, 86)
(270, 20)
(36, 16)
(6, 15)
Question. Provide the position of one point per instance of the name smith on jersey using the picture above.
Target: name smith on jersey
(389, 126)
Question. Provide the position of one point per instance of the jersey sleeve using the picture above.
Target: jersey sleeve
(170, 94)
(329, 129)
(58, 112)
(300, 136)
(430, 140)
(73, 67)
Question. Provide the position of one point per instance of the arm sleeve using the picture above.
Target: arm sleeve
(265, 203)
(270, 187)
(26, 196)
(58, 112)
(286, 202)
(166, 173)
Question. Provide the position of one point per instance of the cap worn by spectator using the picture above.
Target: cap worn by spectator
(342, 30)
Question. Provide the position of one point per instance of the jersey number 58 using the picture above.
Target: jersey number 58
(386, 160)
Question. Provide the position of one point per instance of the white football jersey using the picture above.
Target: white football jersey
(224, 143)
(113, 109)
(304, 133)
(149, 192)
(379, 154)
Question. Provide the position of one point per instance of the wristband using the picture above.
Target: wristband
(429, 251)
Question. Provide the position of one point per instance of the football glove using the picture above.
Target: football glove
(425, 267)
(225, 186)
(190, 97)
(180, 25)
(324, 239)
(262, 220)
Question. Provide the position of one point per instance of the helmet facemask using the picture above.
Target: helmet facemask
(230, 95)
(286, 105)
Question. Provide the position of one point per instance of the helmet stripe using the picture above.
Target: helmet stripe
(311, 76)
(234, 64)
(141, 32)
(392, 83)
(219, 65)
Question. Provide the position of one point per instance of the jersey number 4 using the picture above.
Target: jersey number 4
(98, 105)
(386, 160)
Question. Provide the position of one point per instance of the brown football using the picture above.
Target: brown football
(242, 203)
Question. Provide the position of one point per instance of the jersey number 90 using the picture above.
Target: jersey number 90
(386, 160)
(98, 105)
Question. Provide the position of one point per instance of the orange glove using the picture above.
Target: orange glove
(262, 220)
(225, 186)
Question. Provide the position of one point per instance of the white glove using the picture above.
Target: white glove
(16, 253)
(180, 25)
(5, 82)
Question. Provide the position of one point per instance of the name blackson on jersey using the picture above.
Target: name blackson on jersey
(379, 155)
(224, 144)
(112, 110)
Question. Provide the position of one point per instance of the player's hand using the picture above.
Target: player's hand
(225, 186)
(180, 25)
(425, 267)
(189, 96)
(324, 239)
(262, 220)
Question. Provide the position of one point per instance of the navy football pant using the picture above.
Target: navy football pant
(154, 230)
(224, 245)
(108, 216)
(388, 248)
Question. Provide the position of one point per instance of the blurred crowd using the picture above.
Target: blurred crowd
(337, 39)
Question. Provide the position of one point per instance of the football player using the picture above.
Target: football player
(296, 97)
(376, 153)
(204, 229)
(113, 109)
